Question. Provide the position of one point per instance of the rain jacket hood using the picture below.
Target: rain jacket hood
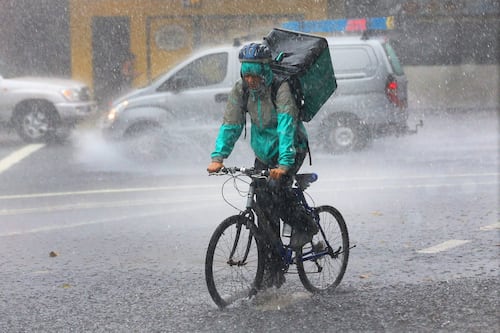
(259, 69)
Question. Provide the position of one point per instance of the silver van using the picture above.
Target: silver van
(371, 98)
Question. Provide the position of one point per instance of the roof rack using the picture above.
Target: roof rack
(245, 38)
(356, 25)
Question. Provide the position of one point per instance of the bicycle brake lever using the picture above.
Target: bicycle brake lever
(221, 172)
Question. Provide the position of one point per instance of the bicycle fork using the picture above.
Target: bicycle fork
(243, 260)
(248, 214)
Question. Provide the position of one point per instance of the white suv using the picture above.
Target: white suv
(371, 98)
(41, 109)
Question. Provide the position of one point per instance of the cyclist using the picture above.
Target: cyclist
(278, 139)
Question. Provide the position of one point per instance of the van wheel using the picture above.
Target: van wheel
(347, 134)
(145, 142)
(36, 121)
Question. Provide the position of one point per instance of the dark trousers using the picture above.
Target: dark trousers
(277, 198)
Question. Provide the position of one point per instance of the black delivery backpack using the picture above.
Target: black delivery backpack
(304, 61)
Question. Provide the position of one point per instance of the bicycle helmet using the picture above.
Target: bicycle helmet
(255, 52)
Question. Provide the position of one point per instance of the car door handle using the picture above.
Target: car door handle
(221, 98)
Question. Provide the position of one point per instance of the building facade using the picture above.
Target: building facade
(161, 33)
(88, 40)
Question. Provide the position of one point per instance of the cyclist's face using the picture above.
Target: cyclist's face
(253, 81)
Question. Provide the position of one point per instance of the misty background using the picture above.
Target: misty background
(35, 34)
(450, 49)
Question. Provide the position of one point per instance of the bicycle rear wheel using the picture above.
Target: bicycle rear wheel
(322, 263)
(234, 265)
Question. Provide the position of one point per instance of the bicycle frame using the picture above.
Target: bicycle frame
(263, 233)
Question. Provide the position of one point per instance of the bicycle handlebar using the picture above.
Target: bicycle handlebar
(301, 180)
(250, 172)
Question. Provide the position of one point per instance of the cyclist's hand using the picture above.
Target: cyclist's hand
(277, 173)
(214, 167)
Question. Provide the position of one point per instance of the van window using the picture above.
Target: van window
(205, 71)
(353, 62)
(5, 71)
(393, 59)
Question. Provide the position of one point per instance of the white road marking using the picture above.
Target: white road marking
(444, 246)
(106, 191)
(490, 227)
(70, 225)
(436, 176)
(114, 204)
(80, 224)
(18, 155)
(350, 188)
(405, 186)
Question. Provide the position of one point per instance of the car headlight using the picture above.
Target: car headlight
(113, 113)
(71, 95)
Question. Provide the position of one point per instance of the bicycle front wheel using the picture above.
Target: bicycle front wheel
(322, 263)
(234, 265)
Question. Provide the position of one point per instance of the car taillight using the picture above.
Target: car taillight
(393, 85)
(391, 90)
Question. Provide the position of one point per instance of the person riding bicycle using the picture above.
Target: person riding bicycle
(278, 139)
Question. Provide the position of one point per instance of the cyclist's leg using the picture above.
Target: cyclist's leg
(293, 211)
(269, 221)
(266, 199)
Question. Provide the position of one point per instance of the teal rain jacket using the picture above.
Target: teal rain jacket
(277, 134)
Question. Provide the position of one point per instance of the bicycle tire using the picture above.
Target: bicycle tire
(228, 282)
(323, 273)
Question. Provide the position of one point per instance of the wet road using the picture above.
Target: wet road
(129, 240)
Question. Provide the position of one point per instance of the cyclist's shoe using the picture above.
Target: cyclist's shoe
(318, 246)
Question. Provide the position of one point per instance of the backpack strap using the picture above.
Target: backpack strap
(275, 85)
(244, 108)
(309, 153)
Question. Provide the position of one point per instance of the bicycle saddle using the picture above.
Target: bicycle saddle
(303, 180)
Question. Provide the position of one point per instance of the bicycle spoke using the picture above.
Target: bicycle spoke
(322, 269)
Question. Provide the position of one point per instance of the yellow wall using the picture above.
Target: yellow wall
(215, 20)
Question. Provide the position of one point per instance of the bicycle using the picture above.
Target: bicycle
(237, 251)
